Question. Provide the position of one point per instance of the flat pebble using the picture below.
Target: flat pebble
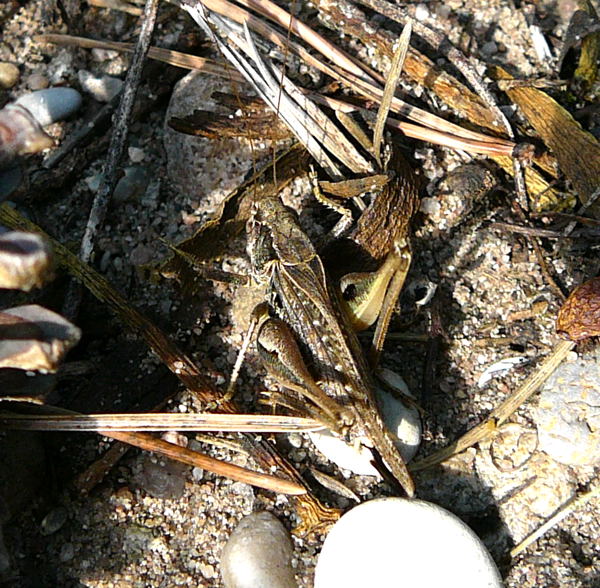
(132, 184)
(402, 420)
(37, 82)
(567, 417)
(163, 481)
(54, 520)
(399, 542)
(101, 88)
(51, 105)
(9, 74)
(258, 554)
(526, 484)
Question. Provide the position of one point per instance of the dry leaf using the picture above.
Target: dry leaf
(579, 317)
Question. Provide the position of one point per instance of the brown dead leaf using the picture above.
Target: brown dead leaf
(577, 151)
(579, 317)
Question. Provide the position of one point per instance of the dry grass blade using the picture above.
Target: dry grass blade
(390, 88)
(193, 458)
(572, 505)
(208, 422)
(442, 44)
(499, 415)
(116, 5)
(287, 21)
(264, 83)
(174, 358)
(176, 58)
(357, 82)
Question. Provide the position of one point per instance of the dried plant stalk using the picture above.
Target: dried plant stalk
(487, 428)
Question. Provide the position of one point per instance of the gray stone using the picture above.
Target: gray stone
(258, 554)
(132, 185)
(400, 542)
(163, 481)
(568, 414)
(54, 520)
(51, 105)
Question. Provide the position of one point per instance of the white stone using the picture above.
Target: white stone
(567, 417)
(101, 88)
(402, 420)
(399, 542)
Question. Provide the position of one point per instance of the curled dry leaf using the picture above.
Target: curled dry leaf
(579, 316)
(34, 338)
(25, 261)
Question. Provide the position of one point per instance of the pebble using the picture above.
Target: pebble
(136, 155)
(51, 105)
(54, 520)
(132, 184)
(457, 194)
(163, 481)
(67, 552)
(37, 82)
(101, 88)
(258, 554)
(402, 420)
(9, 74)
(567, 417)
(400, 542)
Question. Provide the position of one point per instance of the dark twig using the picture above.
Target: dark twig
(529, 231)
(115, 151)
(592, 199)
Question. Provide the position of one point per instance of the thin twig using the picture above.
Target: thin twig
(115, 151)
(571, 505)
(529, 231)
(591, 200)
(176, 58)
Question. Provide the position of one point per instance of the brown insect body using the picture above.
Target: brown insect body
(302, 296)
